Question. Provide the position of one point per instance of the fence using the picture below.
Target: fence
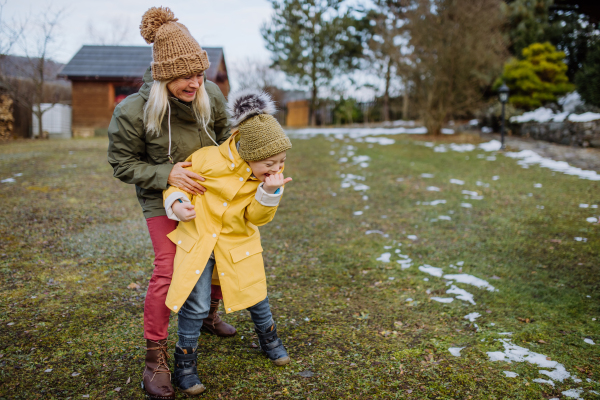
(56, 121)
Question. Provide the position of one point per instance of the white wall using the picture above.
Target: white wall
(56, 121)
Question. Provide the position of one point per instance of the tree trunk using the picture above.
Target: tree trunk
(313, 105)
(405, 103)
(386, 95)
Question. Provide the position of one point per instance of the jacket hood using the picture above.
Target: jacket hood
(148, 81)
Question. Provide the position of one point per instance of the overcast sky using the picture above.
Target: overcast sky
(231, 24)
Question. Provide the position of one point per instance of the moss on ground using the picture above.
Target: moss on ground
(73, 239)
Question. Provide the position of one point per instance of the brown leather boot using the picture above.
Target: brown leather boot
(156, 380)
(214, 324)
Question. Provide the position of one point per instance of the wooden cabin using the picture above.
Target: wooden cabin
(102, 76)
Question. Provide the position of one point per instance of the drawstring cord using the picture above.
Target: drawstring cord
(169, 123)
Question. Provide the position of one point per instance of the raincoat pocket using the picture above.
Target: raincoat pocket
(182, 240)
(248, 263)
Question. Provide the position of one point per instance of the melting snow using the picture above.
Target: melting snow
(8, 180)
(428, 269)
(377, 232)
(472, 316)
(455, 351)
(587, 117)
(588, 341)
(510, 374)
(584, 205)
(444, 217)
(528, 157)
(540, 380)
(427, 175)
(462, 294)
(433, 189)
(493, 145)
(537, 185)
(471, 280)
(516, 353)
(592, 219)
(354, 133)
(358, 213)
(470, 193)
(443, 299)
(573, 393)
(379, 140)
(466, 205)
(457, 181)
(412, 237)
(385, 257)
(432, 203)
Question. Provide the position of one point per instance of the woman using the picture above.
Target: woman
(175, 113)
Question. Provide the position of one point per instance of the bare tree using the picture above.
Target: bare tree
(31, 82)
(10, 33)
(459, 49)
(117, 32)
(256, 74)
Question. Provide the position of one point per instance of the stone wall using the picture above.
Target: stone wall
(577, 134)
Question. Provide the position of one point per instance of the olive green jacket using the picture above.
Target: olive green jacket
(142, 159)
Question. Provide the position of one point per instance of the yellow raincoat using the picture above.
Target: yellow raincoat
(227, 216)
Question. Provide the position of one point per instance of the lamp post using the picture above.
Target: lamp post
(503, 93)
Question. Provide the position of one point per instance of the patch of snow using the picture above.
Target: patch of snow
(592, 219)
(510, 374)
(444, 217)
(462, 294)
(440, 149)
(428, 269)
(529, 157)
(461, 148)
(542, 114)
(569, 102)
(385, 257)
(588, 341)
(354, 133)
(443, 299)
(380, 140)
(457, 181)
(540, 380)
(581, 239)
(409, 299)
(358, 213)
(495, 178)
(470, 193)
(371, 232)
(474, 122)
(472, 316)
(466, 205)
(455, 351)
(584, 205)
(412, 237)
(8, 180)
(486, 129)
(492, 145)
(587, 117)
(361, 187)
(471, 280)
(537, 185)
(447, 131)
(433, 189)
(574, 393)
(427, 175)
(405, 264)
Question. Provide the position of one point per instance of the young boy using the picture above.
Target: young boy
(218, 239)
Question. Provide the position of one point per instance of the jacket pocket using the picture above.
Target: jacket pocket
(182, 240)
(248, 263)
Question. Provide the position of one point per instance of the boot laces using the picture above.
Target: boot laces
(163, 357)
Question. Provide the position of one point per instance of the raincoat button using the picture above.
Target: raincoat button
(222, 273)
(248, 169)
(214, 235)
(197, 272)
(224, 204)
(179, 242)
(241, 179)
(232, 165)
(247, 253)
(174, 307)
(229, 309)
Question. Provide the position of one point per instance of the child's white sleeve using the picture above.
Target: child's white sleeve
(267, 199)
(173, 197)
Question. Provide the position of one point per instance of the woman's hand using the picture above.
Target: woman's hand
(184, 211)
(274, 182)
(184, 179)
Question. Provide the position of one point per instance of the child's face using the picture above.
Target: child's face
(263, 168)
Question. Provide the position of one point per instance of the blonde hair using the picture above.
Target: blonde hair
(158, 102)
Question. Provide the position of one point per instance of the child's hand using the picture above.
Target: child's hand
(184, 211)
(274, 182)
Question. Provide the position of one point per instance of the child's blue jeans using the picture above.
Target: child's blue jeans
(197, 306)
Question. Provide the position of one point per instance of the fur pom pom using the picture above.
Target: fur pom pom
(248, 103)
(153, 19)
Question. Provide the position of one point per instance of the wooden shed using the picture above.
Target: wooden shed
(102, 76)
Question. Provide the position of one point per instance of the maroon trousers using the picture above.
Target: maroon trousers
(156, 313)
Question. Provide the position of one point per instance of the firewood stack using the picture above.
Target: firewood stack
(6, 117)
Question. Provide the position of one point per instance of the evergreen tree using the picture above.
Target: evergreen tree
(588, 77)
(528, 22)
(314, 40)
(539, 78)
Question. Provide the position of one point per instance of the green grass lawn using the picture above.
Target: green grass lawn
(73, 239)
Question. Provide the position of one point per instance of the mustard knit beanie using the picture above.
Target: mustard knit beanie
(261, 136)
(175, 52)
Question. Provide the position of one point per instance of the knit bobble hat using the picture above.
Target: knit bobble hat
(261, 136)
(175, 52)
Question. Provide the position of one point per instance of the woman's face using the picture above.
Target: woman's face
(185, 88)
(271, 166)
